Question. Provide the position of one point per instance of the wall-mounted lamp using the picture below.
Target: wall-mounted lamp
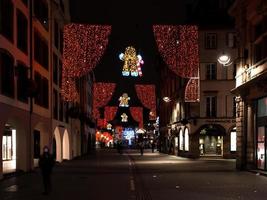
(224, 59)
(166, 99)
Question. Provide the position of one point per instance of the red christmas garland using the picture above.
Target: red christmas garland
(137, 114)
(110, 112)
(192, 90)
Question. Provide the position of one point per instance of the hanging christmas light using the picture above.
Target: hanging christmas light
(192, 90)
(137, 114)
(146, 93)
(178, 46)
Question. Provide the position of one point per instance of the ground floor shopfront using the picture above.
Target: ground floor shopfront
(206, 139)
(23, 137)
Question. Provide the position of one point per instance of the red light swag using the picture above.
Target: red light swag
(84, 45)
(146, 93)
(137, 114)
(102, 93)
(192, 90)
(178, 46)
(110, 112)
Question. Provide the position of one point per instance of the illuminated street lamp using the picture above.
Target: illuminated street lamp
(224, 59)
(166, 99)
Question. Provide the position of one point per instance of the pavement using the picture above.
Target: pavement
(130, 176)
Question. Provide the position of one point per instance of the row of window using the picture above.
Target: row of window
(211, 40)
(211, 106)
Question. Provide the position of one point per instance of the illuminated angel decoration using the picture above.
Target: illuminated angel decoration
(132, 62)
(124, 100)
(109, 126)
(124, 117)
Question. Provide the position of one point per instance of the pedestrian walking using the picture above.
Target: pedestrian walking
(46, 164)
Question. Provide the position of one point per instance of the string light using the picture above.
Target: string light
(137, 114)
(102, 93)
(192, 90)
(83, 47)
(110, 112)
(146, 93)
(178, 46)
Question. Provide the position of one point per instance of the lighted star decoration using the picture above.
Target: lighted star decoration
(132, 62)
(124, 100)
(124, 117)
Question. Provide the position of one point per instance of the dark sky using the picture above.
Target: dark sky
(131, 25)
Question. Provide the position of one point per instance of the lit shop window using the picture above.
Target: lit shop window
(186, 140)
(233, 140)
(181, 140)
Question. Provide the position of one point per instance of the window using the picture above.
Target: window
(261, 148)
(41, 12)
(56, 34)
(211, 106)
(231, 40)
(22, 80)
(7, 74)
(6, 19)
(224, 72)
(60, 73)
(262, 107)
(234, 107)
(61, 41)
(211, 71)
(40, 50)
(42, 87)
(61, 108)
(55, 69)
(186, 140)
(211, 41)
(25, 2)
(55, 104)
(233, 140)
(22, 32)
(181, 140)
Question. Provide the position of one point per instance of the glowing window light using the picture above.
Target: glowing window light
(132, 62)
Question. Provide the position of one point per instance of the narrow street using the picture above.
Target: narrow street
(109, 175)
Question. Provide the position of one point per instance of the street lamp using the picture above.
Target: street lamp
(224, 59)
(166, 99)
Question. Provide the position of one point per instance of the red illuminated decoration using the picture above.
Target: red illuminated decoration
(84, 45)
(192, 90)
(178, 46)
(101, 123)
(110, 112)
(146, 93)
(102, 93)
(137, 114)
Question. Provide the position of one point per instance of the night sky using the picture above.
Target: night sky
(131, 26)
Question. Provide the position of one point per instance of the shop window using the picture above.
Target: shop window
(181, 140)
(261, 148)
(233, 140)
(9, 144)
(7, 68)
(186, 140)
(6, 19)
(36, 139)
(22, 80)
(22, 32)
(262, 107)
(211, 70)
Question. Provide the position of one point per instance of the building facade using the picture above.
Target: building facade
(33, 113)
(250, 89)
(205, 127)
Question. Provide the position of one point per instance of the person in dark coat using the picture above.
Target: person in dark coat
(46, 164)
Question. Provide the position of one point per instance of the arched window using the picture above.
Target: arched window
(7, 73)
(186, 139)
(6, 19)
(181, 140)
